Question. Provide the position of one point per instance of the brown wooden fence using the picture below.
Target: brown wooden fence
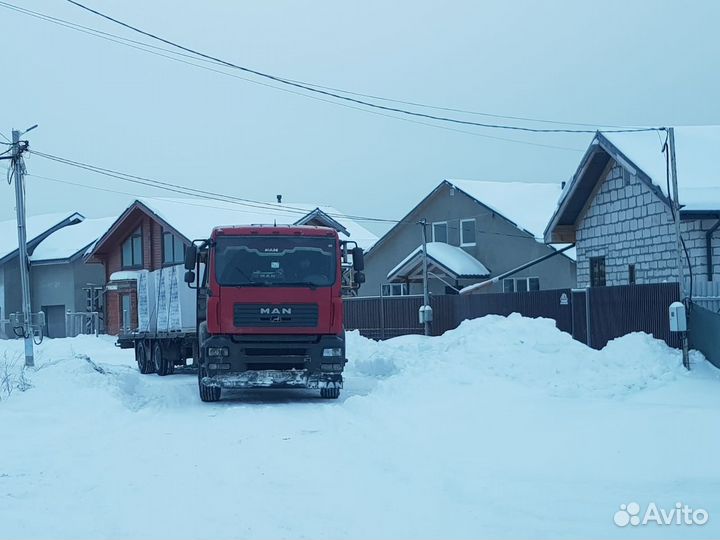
(603, 313)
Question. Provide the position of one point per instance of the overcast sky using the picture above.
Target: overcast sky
(612, 62)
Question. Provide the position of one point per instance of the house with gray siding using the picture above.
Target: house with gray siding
(476, 230)
(60, 282)
(617, 210)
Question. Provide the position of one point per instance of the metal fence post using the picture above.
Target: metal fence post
(588, 338)
(382, 315)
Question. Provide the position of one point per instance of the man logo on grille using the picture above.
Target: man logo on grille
(275, 311)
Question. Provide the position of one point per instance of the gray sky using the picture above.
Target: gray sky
(615, 62)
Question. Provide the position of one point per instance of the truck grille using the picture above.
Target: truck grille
(275, 316)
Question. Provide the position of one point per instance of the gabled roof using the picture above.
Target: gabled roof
(641, 154)
(193, 219)
(38, 228)
(526, 205)
(451, 261)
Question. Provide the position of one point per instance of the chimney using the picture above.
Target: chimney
(562, 185)
(279, 198)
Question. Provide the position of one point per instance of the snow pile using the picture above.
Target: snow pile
(529, 351)
(501, 428)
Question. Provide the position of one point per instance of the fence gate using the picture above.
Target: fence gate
(704, 332)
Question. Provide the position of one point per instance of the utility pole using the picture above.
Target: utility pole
(678, 239)
(19, 175)
(425, 313)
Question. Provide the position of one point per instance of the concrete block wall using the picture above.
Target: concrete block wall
(627, 223)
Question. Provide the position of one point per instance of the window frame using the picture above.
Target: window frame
(514, 282)
(447, 231)
(175, 241)
(404, 289)
(601, 279)
(134, 264)
(462, 239)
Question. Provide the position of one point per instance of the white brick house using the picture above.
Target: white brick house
(617, 211)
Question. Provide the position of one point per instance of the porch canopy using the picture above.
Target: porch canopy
(444, 262)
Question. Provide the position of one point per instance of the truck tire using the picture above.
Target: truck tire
(207, 393)
(163, 365)
(329, 393)
(142, 357)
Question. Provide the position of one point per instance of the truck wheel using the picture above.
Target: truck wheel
(207, 393)
(163, 365)
(142, 358)
(329, 393)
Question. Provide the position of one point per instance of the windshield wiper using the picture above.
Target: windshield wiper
(311, 286)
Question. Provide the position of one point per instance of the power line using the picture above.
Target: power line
(346, 98)
(209, 195)
(182, 190)
(127, 41)
(140, 46)
(186, 202)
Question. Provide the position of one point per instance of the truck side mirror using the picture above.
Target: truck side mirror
(358, 259)
(190, 258)
(189, 277)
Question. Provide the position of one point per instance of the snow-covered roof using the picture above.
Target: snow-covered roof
(36, 227)
(697, 165)
(71, 240)
(529, 205)
(452, 259)
(195, 218)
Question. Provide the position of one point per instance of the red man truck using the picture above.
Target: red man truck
(269, 311)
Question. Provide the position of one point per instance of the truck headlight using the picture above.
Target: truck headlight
(218, 351)
(334, 351)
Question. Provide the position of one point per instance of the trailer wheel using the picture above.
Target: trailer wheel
(207, 393)
(329, 393)
(142, 358)
(163, 365)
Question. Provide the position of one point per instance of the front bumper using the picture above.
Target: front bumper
(274, 379)
(288, 361)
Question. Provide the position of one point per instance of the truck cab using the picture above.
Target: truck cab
(270, 308)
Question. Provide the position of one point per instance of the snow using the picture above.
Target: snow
(195, 218)
(124, 275)
(36, 225)
(698, 179)
(70, 240)
(504, 427)
(529, 205)
(455, 259)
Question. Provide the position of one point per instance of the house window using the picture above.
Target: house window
(467, 232)
(597, 271)
(521, 284)
(631, 274)
(394, 289)
(173, 249)
(132, 250)
(440, 232)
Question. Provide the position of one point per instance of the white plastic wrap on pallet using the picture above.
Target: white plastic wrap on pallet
(175, 301)
(146, 301)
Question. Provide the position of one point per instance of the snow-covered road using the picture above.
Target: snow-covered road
(504, 427)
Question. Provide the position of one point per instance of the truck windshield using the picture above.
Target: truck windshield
(283, 261)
